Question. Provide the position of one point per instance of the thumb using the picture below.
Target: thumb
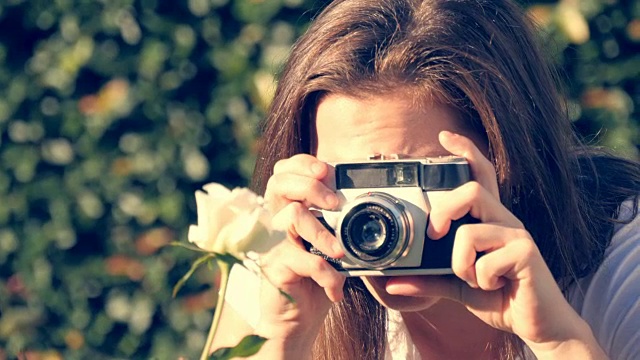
(446, 286)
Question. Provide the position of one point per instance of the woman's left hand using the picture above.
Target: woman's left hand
(510, 287)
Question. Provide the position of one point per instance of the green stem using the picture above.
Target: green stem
(225, 269)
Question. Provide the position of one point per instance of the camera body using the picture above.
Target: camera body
(384, 209)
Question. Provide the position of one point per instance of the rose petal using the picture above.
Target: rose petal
(219, 215)
(217, 191)
(232, 221)
(261, 238)
(238, 234)
(196, 235)
(202, 205)
(243, 199)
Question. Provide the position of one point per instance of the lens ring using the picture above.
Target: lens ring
(370, 231)
(384, 248)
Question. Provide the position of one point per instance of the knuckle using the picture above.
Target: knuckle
(271, 267)
(300, 157)
(320, 236)
(317, 190)
(292, 163)
(291, 210)
(274, 253)
(463, 242)
(315, 185)
(489, 165)
(458, 267)
(486, 283)
(473, 190)
(296, 210)
(522, 234)
(269, 189)
(530, 249)
(464, 232)
(280, 165)
(273, 191)
(279, 277)
(323, 235)
(293, 213)
(317, 264)
(526, 247)
(482, 268)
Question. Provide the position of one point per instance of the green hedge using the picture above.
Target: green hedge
(113, 112)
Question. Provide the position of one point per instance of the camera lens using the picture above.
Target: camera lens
(368, 229)
(374, 230)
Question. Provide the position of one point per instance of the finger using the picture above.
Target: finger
(517, 260)
(284, 188)
(308, 166)
(490, 268)
(469, 198)
(285, 266)
(302, 164)
(506, 252)
(482, 169)
(448, 287)
(425, 286)
(300, 223)
(480, 302)
(470, 240)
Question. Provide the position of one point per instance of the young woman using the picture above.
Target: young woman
(558, 227)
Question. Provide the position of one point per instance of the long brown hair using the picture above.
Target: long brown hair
(480, 56)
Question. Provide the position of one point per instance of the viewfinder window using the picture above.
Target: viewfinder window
(403, 175)
(377, 175)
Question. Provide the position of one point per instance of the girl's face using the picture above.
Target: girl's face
(349, 128)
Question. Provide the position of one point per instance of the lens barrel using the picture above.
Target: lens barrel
(374, 230)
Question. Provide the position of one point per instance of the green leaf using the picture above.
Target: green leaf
(248, 346)
(201, 260)
(282, 292)
(286, 295)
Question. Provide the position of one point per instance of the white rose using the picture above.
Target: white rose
(232, 222)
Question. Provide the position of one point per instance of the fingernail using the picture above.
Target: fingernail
(448, 134)
(317, 168)
(331, 200)
(393, 289)
(389, 288)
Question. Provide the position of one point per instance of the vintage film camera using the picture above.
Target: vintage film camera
(382, 222)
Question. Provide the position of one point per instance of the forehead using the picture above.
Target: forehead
(351, 128)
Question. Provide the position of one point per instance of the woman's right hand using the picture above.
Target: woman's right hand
(298, 183)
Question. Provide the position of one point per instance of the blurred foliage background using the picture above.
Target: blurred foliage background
(112, 112)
